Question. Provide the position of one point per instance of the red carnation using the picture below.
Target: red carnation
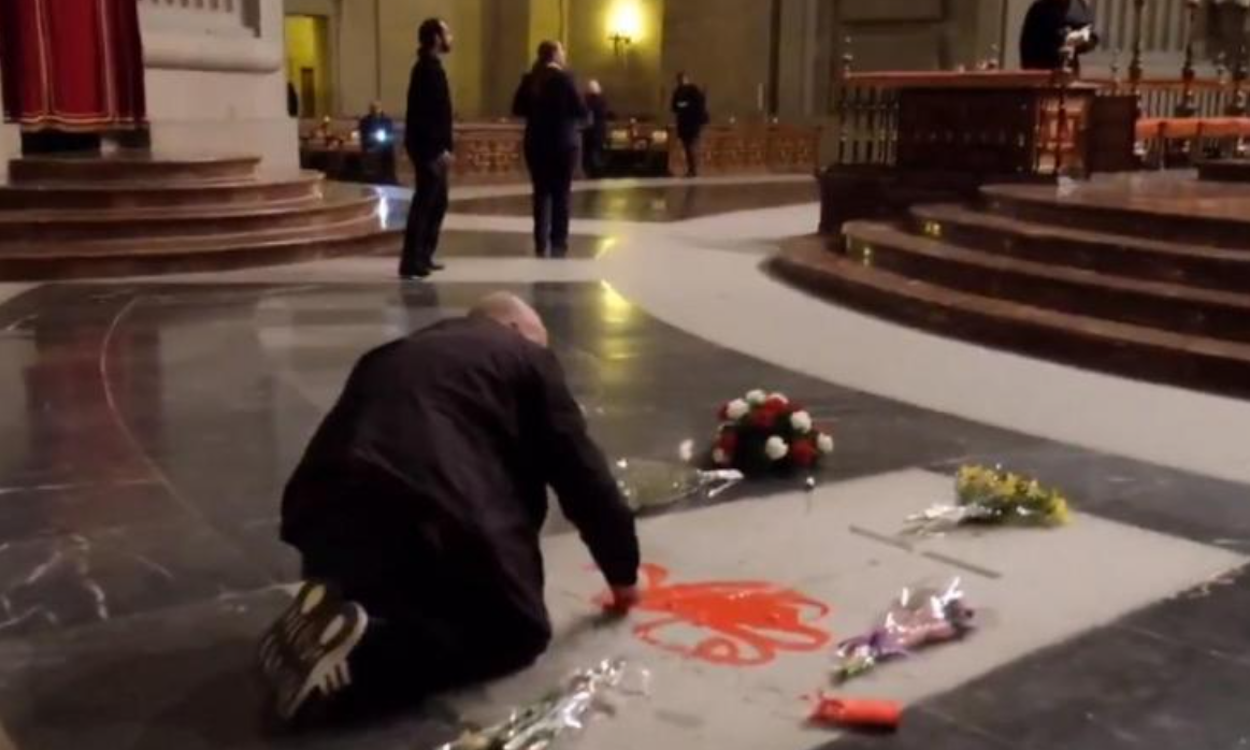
(764, 418)
(728, 442)
(803, 453)
(776, 403)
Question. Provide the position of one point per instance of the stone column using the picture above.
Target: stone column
(10, 144)
(215, 82)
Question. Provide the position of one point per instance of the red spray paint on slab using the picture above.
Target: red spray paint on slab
(746, 622)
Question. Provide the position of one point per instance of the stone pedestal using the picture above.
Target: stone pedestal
(10, 145)
(215, 83)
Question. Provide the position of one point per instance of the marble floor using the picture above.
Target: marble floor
(149, 425)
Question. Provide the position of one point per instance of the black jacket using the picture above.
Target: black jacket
(428, 130)
(1046, 28)
(597, 122)
(430, 474)
(553, 109)
(690, 106)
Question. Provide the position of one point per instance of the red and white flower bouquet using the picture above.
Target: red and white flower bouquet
(764, 433)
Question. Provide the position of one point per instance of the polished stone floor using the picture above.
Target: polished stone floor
(674, 202)
(149, 427)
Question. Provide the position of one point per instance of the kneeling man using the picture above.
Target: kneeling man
(417, 510)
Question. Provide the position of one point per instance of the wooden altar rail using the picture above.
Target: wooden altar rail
(1166, 97)
(751, 148)
(494, 153)
(867, 110)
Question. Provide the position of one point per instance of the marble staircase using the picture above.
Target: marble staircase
(1150, 280)
(136, 213)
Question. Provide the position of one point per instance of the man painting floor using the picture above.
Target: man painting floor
(417, 510)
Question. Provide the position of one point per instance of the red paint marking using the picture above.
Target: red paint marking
(749, 621)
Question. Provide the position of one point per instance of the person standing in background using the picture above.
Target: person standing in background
(596, 133)
(377, 144)
(1054, 29)
(554, 112)
(690, 109)
(428, 138)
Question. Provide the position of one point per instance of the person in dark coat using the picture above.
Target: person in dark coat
(417, 510)
(554, 114)
(428, 138)
(595, 136)
(1053, 26)
(377, 145)
(690, 109)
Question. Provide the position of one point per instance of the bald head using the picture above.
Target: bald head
(511, 311)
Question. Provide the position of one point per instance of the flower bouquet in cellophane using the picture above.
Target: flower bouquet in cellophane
(995, 497)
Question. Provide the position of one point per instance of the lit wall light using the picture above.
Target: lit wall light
(624, 25)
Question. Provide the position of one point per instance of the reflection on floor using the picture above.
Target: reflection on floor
(148, 430)
(657, 204)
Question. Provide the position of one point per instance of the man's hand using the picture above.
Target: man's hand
(624, 598)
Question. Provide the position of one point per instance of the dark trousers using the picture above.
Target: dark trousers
(551, 174)
(592, 154)
(425, 217)
(690, 142)
(428, 631)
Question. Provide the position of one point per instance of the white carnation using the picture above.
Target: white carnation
(737, 409)
(719, 457)
(801, 421)
(686, 450)
(776, 448)
(756, 397)
(824, 444)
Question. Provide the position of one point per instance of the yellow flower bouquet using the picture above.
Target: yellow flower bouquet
(992, 496)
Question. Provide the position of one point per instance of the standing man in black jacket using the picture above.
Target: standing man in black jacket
(428, 138)
(417, 509)
(690, 109)
(554, 114)
(1054, 29)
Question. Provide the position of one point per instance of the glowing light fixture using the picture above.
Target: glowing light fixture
(624, 24)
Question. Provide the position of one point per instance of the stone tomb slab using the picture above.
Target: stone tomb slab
(839, 545)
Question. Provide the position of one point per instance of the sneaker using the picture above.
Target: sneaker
(305, 653)
(414, 274)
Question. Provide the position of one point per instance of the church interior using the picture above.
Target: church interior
(971, 284)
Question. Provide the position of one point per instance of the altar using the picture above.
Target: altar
(911, 136)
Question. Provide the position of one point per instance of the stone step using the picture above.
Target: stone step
(1118, 254)
(1200, 217)
(214, 242)
(130, 166)
(352, 238)
(1225, 170)
(1172, 307)
(340, 204)
(117, 195)
(816, 264)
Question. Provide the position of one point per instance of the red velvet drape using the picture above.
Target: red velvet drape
(73, 65)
